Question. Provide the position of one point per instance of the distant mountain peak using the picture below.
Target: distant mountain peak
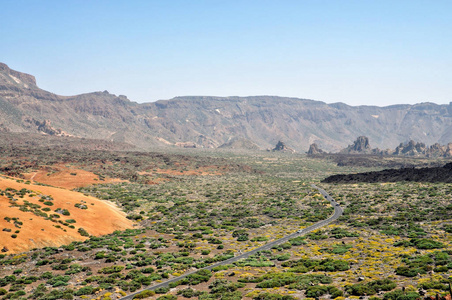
(18, 77)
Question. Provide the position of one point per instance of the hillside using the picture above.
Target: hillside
(36, 216)
(210, 122)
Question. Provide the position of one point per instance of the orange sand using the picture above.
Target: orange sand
(64, 177)
(101, 217)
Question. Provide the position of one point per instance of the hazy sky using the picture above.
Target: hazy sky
(373, 52)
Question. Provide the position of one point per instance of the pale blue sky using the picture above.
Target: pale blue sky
(359, 52)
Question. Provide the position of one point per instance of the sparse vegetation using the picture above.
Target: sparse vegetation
(400, 230)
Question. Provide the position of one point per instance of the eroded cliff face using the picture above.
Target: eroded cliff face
(210, 122)
(18, 77)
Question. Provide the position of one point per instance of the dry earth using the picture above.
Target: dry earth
(100, 217)
(66, 177)
(203, 171)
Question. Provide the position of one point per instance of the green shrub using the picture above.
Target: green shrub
(447, 228)
(81, 206)
(111, 270)
(270, 296)
(317, 235)
(283, 257)
(188, 293)
(434, 285)
(83, 232)
(326, 265)
(401, 295)
(144, 294)
(162, 290)
(370, 288)
(427, 244)
(339, 233)
(59, 280)
(259, 239)
(316, 291)
(167, 297)
(240, 234)
(86, 290)
(46, 275)
(300, 240)
(420, 243)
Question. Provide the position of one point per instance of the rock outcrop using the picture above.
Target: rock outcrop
(360, 146)
(280, 146)
(437, 150)
(416, 149)
(315, 150)
(411, 149)
(448, 152)
(45, 127)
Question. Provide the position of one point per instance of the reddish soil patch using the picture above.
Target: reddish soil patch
(204, 171)
(100, 217)
(66, 177)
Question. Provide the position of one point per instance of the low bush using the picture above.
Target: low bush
(144, 294)
(370, 288)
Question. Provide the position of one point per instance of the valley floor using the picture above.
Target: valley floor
(187, 211)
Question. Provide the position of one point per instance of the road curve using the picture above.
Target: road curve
(337, 213)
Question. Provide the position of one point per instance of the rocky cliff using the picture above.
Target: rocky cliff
(214, 121)
(18, 77)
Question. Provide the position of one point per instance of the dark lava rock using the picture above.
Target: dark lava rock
(434, 174)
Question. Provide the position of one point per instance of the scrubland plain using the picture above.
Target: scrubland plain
(186, 211)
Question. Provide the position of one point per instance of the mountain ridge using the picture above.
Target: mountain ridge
(209, 121)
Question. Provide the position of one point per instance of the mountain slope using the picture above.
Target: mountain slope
(213, 121)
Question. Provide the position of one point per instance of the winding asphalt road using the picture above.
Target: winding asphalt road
(337, 213)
